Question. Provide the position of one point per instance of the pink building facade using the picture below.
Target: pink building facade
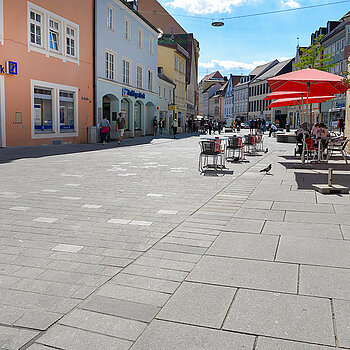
(46, 71)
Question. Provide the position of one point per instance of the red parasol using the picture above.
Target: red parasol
(290, 94)
(308, 80)
(298, 101)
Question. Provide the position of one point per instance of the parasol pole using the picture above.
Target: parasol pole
(307, 102)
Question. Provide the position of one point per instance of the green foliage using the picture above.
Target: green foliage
(346, 78)
(314, 57)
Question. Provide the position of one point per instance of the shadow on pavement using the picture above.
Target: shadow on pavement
(10, 154)
(306, 180)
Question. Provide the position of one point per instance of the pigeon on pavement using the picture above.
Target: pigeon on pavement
(266, 150)
(267, 169)
(236, 159)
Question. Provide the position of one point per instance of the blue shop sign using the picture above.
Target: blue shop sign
(340, 104)
(11, 68)
(127, 93)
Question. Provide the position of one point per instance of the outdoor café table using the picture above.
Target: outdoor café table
(223, 142)
(320, 158)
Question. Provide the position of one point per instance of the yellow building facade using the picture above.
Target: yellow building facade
(173, 58)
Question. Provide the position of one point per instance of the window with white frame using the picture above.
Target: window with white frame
(110, 17)
(51, 34)
(139, 77)
(54, 110)
(126, 71)
(150, 80)
(140, 38)
(36, 28)
(151, 45)
(110, 61)
(127, 28)
(70, 41)
(54, 35)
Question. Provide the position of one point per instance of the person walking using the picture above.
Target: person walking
(341, 125)
(161, 126)
(251, 126)
(174, 126)
(105, 127)
(202, 127)
(210, 126)
(155, 126)
(121, 123)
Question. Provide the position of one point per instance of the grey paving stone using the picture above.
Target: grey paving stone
(246, 273)
(156, 272)
(243, 245)
(133, 294)
(342, 319)
(36, 346)
(104, 324)
(15, 338)
(122, 308)
(9, 314)
(325, 218)
(298, 229)
(305, 207)
(64, 337)
(248, 213)
(166, 264)
(257, 204)
(283, 316)
(325, 282)
(155, 284)
(346, 231)
(198, 304)
(36, 319)
(162, 335)
(278, 344)
(182, 248)
(70, 248)
(160, 254)
(312, 251)
(244, 225)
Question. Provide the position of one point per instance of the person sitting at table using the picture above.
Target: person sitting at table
(323, 134)
(315, 129)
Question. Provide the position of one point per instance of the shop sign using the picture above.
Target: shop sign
(340, 104)
(10, 68)
(172, 108)
(127, 93)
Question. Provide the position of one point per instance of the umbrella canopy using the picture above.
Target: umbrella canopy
(308, 80)
(290, 94)
(297, 101)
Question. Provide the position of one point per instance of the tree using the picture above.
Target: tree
(314, 57)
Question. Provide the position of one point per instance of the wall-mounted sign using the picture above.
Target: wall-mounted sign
(10, 68)
(340, 104)
(128, 93)
(172, 108)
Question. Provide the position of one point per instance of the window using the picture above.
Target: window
(127, 28)
(66, 111)
(342, 44)
(110, 65)
(139, 77)
(150, 80)
(140, 39)
(1, 22)
(43, 116)
(348, 35)
(126, 71)
(110, 17)
(70, 40)
(176, 63)
(151, 46)
(36, 26)
(54, 35)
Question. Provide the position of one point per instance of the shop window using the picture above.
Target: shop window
(54, 35)
(110, 65)
(36, 20)
(126, 71)
(70, 39)
(66, 111)
(43, 116)
(110, 17)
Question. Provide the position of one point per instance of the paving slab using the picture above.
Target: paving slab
(298, 229)
(342, 319)
(264, 214)
(64, 337)
(312, 251)
(37, 319)
(255, 204)
(242, 245)
(162, 335)
(325, 218)
(270, 314)
(246, 273)
(121, 308)
(305, 207)
(325, 282)
(244, 225)
(278, 344)
(15, 338)
(198, 304)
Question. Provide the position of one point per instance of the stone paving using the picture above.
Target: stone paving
(131, 248)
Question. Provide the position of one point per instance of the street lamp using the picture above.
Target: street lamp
(217, 24)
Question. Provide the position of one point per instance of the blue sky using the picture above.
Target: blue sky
(244, 43)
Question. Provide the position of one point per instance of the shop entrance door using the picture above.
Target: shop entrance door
(2, 113)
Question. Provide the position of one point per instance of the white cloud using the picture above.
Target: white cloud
(291, 4)
(205, 6)
(230, 65)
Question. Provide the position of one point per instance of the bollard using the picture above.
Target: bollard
(330, 177)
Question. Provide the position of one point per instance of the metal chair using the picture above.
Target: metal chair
(337, 145)
(209, 149)
(235, 144)
(310, 149)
